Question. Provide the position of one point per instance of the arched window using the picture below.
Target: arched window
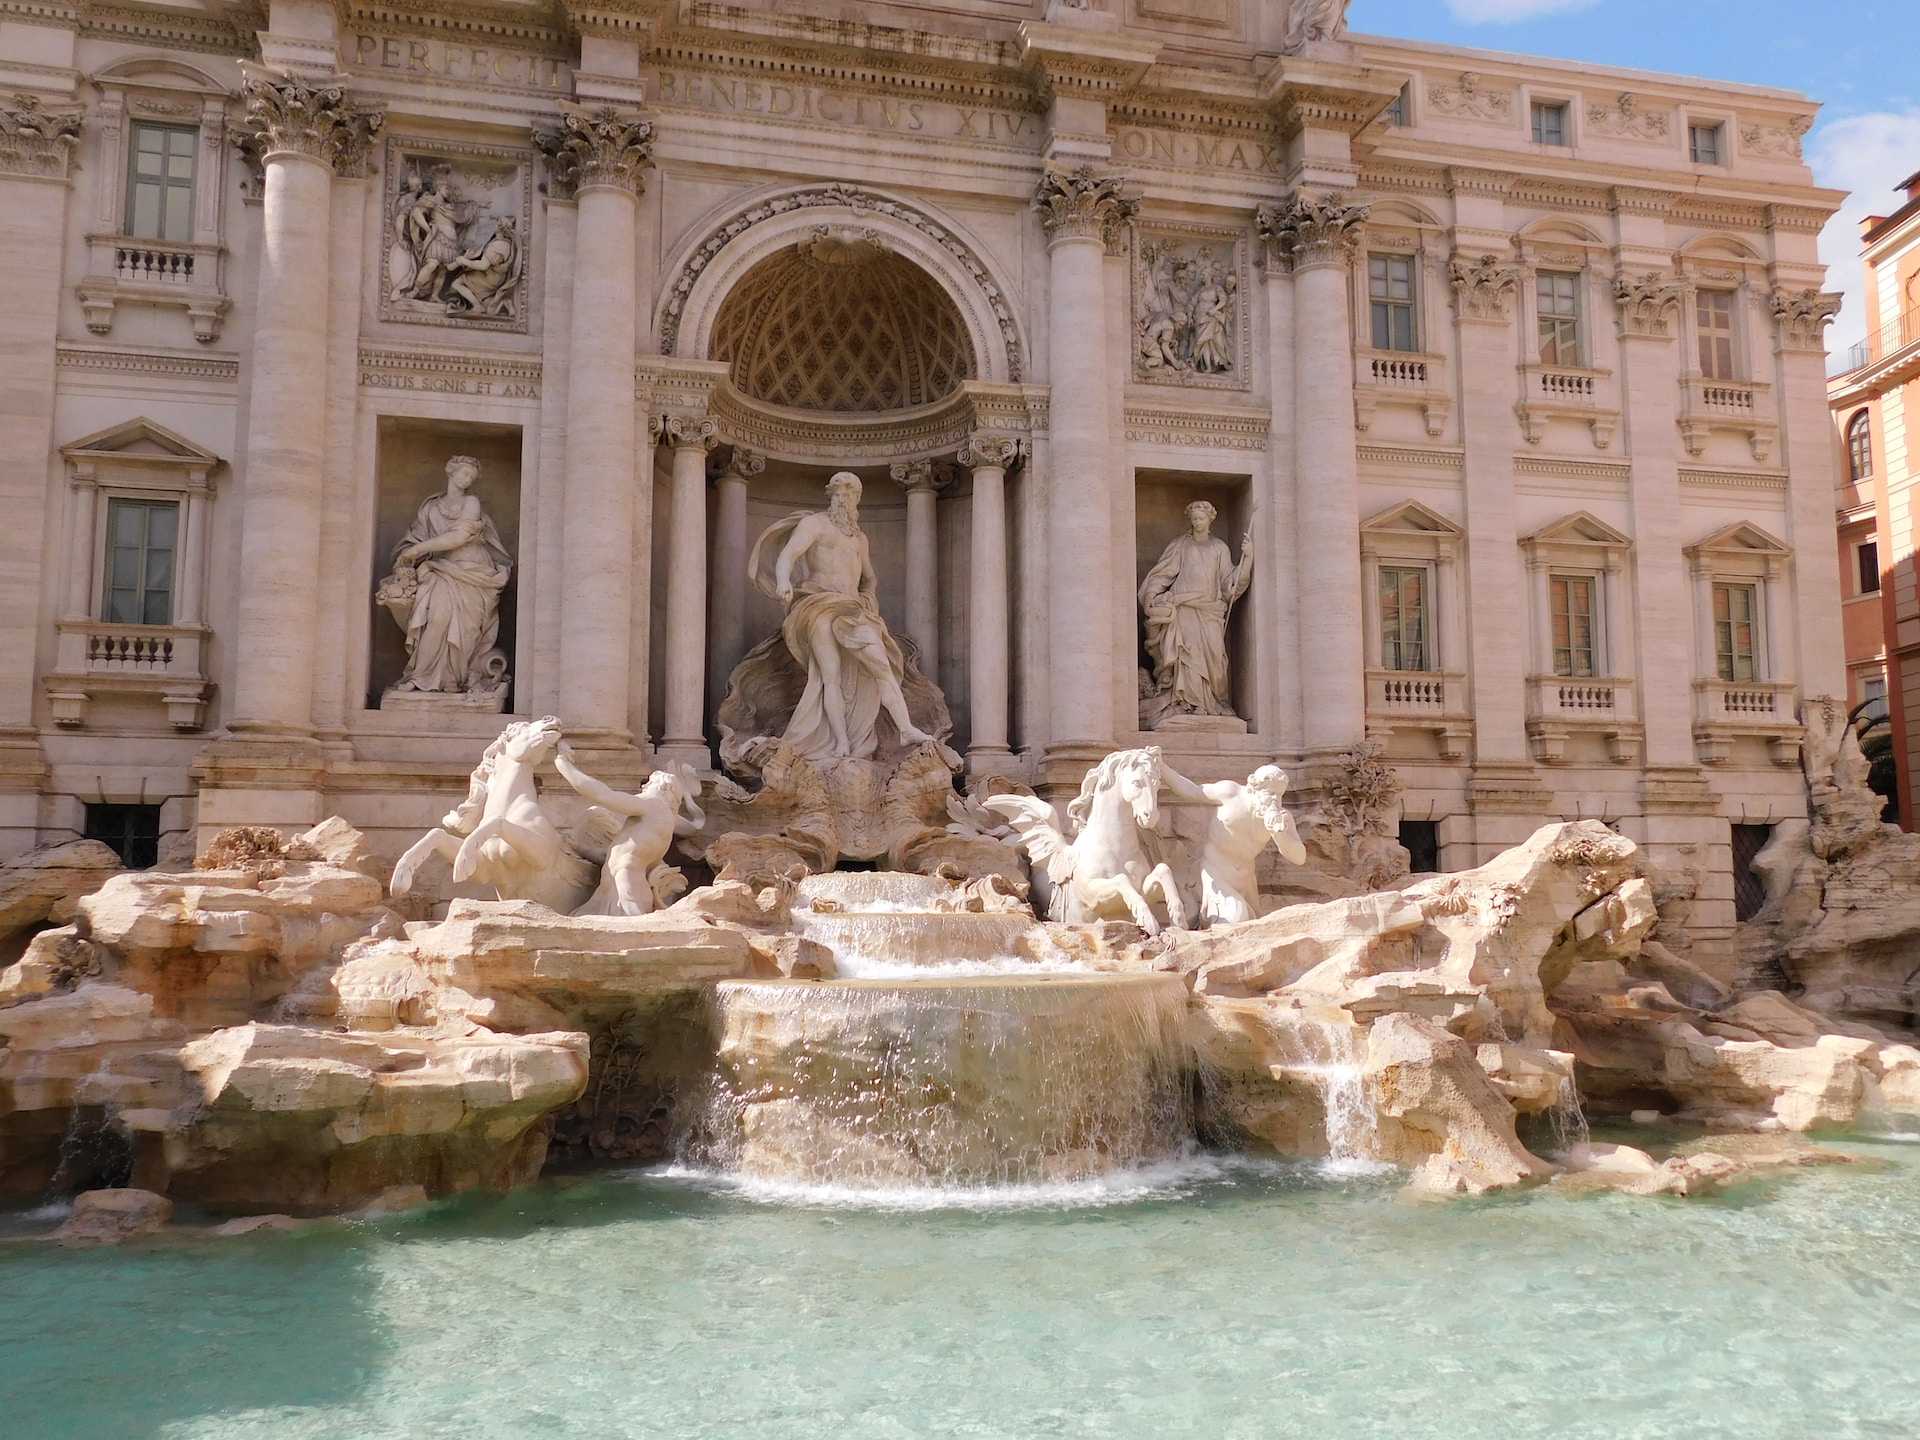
(1860, 447)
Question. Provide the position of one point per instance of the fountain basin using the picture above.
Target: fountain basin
(975, 1080)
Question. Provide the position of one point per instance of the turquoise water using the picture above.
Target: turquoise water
(1226, 1299)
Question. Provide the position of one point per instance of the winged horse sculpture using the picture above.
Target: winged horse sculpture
(1100, 868)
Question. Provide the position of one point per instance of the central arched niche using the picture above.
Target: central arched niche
(838, 323)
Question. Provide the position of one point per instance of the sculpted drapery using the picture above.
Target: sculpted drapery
(1186, 599)
(449, 570)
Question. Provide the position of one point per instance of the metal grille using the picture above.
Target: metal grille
(1749, 891)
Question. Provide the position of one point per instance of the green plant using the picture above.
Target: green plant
(1875, 734)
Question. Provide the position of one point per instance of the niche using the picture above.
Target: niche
(412, 466)
(1161, 498)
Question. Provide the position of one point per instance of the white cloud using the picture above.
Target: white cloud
(1505, 12)
(1869, 155)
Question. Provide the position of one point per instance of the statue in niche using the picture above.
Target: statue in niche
(630, 835)
(817, 565)
(1245, 818)
(1187, 598)
(444, 592)
(1313, 20)
(451, 255)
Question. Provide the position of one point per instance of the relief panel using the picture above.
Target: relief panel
(455, 235)
(1190, 307)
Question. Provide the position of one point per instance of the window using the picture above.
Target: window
(1549, 124)
(1860, 447)
(1713, 314)
(131, 831)
(1421, 840)
(140, 546)
(1866, 556)
(1390, 290)
(1749, 890)
(1559, 304)
(1703, 144)
(160, 181)
(1734, 610)
(1873, 697)
(1397, 111)
(1575, 648)
(1403, 617)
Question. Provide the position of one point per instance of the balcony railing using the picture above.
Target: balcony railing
(142, 650)
(154, 662)
(1893, 336)
(152, 263)
(1401, 378)
(1726, 710)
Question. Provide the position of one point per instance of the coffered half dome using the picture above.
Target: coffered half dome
(838, 322)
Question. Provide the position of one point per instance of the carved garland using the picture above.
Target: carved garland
(854, 199)
(286, 115)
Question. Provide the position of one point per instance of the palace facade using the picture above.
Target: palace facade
(1507, 372)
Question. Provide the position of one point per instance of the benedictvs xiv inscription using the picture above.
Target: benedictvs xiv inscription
(737, 94)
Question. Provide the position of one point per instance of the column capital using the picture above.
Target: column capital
(687, 432)
(1648, 304)
(742, 465)
(289, 115)
(1802, 316)
(37, 142)
(600, 145)
(982, 449)
(1081, 204)
(1483, 289)
(1307, 230)
(921, 476)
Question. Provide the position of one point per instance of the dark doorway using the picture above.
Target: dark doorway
(1749, 890)
(131, 831)
(1421, 840)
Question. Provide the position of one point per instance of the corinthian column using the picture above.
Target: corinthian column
(596, 156)
(301, 134)
(988, 457)
(689, 437)
(919, 479)
(1316, 236)
(727, 609)
(1077, 208)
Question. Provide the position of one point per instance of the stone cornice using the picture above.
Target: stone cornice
(173, 364)
(1095, 63)
(449, 17)
(229, 34)
(722, 22)
(882, 73)
(1188, 425)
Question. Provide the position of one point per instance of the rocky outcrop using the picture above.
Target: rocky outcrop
(308, 1119)
(106, 1217)
(40, 887)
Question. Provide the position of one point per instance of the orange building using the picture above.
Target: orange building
(1876, 412)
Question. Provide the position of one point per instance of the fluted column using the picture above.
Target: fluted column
(727, 607)
(1076, 209)
(1317, 237)
(920, 480)
(988, 611)
(301, 133)
(689, 437)
(596, 156)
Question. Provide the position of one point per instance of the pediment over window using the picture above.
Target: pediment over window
(1409, 531)
(1741, 538)
(141, 452)
(1579, 528)
(1411, 515)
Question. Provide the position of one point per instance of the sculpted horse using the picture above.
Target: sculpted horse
(500, 836)
(1101, 870)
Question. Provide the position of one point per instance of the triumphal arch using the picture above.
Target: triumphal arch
(1207, 376)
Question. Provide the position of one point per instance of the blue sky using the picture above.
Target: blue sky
(1859, 58)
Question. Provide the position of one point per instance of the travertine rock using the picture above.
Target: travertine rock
(1437, 1110)
(43, 884)
(106, 1217)
(281, 1115)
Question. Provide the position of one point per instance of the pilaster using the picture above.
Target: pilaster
(1800, 318)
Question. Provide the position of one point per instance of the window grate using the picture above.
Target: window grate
(131, 831)
(1749, 890)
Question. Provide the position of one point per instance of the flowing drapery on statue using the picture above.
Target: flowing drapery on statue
(444, 592)
(1186, 598)
(817, 565)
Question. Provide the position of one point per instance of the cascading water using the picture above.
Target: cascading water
(1321, 1065)
(884, 924)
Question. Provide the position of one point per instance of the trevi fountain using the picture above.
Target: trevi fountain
(1179, 852)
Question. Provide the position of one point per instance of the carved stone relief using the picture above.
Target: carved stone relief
(456, 235)
(1803, 316)
(1483, 289)
(1189, 308)
(35, 141)
(1648, 303)
(1469, 100)
(1626, 119)
(1780, 142)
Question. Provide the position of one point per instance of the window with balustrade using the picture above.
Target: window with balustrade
(1713, 331)
(160, 181)
(1557, 297)
(1404, 620)
(1736, 631)
(142, 537)
(1574, 616)
(1390, 297)
(1744, 691)
(1860, 447)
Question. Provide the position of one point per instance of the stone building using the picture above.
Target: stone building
(1508, 372)
(1873, 396)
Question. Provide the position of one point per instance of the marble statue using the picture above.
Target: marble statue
(638, 831)
(1311, 20)
(500, 836)
(817, 565)
(1099, 867)
(444, 592)
(1187, 598)
(1245, 818)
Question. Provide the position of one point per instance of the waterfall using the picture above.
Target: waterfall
(1327, 1057)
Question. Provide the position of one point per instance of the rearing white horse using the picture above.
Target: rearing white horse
(1102, 872)
(500, 836)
